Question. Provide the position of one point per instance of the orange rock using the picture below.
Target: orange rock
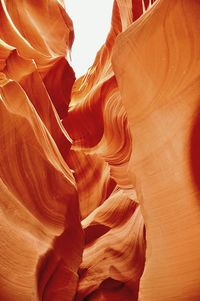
(39, 205)
(95, 169)
(41, 236)
(159, 83)
(113, 258)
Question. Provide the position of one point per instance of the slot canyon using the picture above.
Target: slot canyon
(100, 173)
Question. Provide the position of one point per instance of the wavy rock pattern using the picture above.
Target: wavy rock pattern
(163, 120)
(99, 188)
(41, 235)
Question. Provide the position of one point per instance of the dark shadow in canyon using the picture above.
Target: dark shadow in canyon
(195, 152)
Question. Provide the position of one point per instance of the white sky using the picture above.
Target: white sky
(91, 19)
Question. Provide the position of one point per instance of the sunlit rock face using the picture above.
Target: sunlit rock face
(161, 96)
(100, 176)
(41, 235)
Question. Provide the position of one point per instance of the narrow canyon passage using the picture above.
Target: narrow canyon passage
(99, 159)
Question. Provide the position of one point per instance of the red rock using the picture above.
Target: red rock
(99, 176)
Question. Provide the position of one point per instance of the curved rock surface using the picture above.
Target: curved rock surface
(99, 187)
(41, 235)
(164, 123)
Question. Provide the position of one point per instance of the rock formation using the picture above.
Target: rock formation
(100, 175)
